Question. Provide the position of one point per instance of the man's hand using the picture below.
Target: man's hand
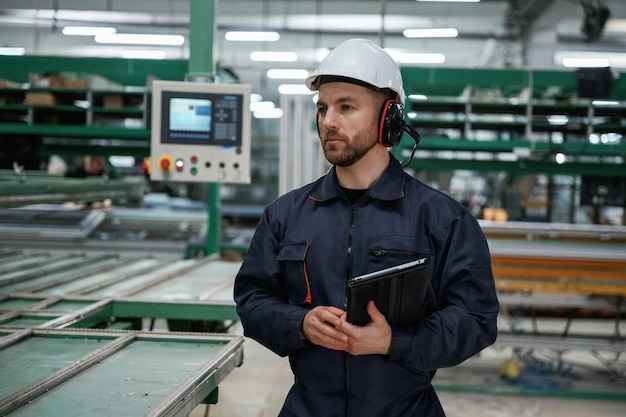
(319, 327)
(373, 338)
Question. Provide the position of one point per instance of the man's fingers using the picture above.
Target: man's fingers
(373, 311)
(320, 328)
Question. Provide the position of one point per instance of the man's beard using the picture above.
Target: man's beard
(354, 150)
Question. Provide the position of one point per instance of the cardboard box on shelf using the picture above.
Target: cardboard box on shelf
(58, 80)
(75, 84)
(5, 96)
(113, 101)
(40, 99)
(8, 84)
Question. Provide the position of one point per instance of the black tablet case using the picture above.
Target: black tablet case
(398, 293)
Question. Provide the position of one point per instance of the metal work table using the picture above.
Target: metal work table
(54, 362)
(95, 373)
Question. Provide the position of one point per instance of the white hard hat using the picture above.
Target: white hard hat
(362, 61)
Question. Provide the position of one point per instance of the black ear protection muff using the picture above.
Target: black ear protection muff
(390, 125)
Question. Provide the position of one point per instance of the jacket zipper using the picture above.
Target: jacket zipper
(349, 250)
(395, 253)
(348, 271)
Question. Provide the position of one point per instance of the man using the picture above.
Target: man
(364, 215)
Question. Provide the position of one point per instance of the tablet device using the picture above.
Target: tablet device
(398, 292)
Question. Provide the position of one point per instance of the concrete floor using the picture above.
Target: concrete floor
(259, 386)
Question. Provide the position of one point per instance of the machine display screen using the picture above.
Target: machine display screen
(201, 118)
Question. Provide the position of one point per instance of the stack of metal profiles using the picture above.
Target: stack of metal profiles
(23, 188)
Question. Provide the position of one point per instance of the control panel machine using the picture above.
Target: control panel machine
(200, 132)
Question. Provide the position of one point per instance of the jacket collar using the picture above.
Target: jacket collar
(388, 187)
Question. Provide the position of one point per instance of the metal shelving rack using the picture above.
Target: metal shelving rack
(530, 114)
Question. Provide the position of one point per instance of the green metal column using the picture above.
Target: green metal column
(201, 33)
(201, 68)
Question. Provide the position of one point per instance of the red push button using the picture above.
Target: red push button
(165, 162)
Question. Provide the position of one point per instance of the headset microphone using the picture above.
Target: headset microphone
(392, 125)
(413, 134)
(408, 129)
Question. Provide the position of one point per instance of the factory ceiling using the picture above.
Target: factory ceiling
(489, 33)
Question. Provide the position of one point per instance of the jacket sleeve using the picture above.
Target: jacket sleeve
(260, 293)
(464, 321)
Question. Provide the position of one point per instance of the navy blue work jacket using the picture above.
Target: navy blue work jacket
(311, 240)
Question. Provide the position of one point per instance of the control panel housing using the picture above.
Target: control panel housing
(200, 132)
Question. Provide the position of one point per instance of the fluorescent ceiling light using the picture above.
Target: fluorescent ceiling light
(453, 1)
(590, 59)
(252, 36)
(586, 62)
(12, 50)
(417, 97)
(143, 54)
(615, 26)
(141, 39)
(605, 103)
(88, 30)
(274, 113)
(421, 58)
(350, 23)
(261, 105)
(290, 74)
(95, 16)
(294, 89)
(431, 33)
(274, 56)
